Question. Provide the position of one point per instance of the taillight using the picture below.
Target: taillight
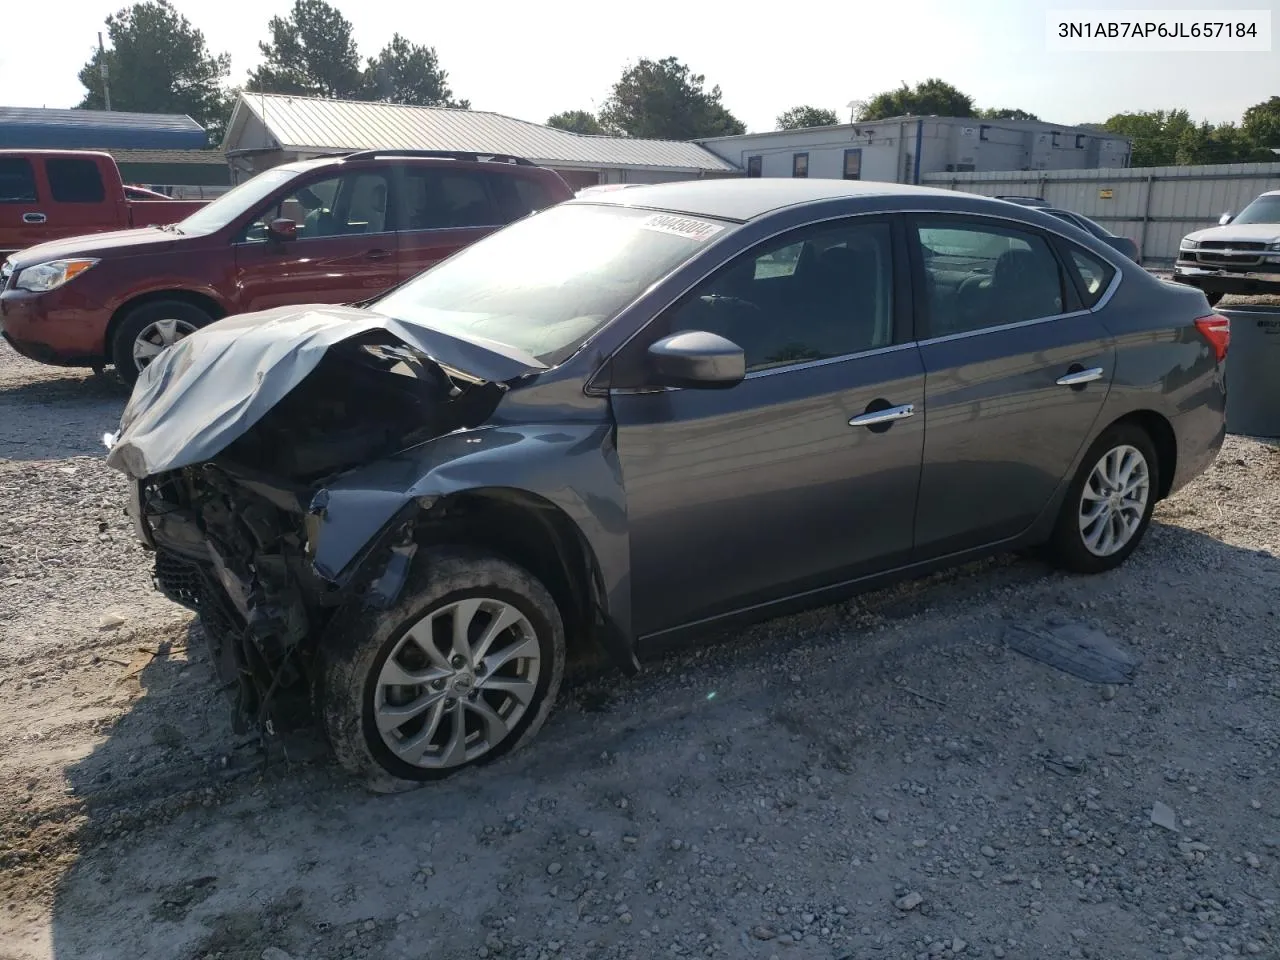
(1217, 330)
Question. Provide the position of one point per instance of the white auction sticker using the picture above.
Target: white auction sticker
(1158, 31)
(687, 227)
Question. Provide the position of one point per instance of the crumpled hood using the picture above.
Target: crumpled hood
(209, 389)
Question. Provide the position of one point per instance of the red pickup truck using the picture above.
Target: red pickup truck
(52, 194)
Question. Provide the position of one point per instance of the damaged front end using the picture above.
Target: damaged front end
(234, 530)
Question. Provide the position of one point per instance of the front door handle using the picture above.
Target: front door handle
(378, 254)
(885, 415)
(1077, 378)
(34, 218)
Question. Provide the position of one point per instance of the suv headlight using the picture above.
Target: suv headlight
(1188, 244)
(49, 276)
(1274, 246)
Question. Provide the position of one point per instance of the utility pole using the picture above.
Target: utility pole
(102, 66)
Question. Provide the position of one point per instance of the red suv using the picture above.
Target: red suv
(335, 230)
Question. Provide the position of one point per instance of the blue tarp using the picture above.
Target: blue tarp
(35, 128)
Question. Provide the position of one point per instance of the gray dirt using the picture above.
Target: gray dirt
(884, 778)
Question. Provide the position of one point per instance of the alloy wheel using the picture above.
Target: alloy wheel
(1114, 500)
(457, 683)
(157, 336)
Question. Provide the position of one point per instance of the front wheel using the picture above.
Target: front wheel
(1108, 506)
(463, 669)
(149, 329)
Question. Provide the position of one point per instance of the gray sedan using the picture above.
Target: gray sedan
(638, 416)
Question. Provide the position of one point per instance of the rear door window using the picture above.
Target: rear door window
(442, 199)
(17, 180)
(74, 180)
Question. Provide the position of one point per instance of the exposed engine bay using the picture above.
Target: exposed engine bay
(234, 535)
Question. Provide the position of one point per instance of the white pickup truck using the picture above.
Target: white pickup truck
(1240, 255)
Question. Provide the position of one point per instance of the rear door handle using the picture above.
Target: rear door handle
(887, 415)
(1078, 378)
(34, 218)
(378, 254)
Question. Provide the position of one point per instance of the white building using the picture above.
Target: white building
(270, 129)
(904, 149)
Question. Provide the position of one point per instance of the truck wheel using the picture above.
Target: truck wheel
(150, 328)
(463, 669)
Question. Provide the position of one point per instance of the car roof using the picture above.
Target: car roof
(742, 199)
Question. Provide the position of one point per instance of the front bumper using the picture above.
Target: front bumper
(1225, 280)
(58, 327)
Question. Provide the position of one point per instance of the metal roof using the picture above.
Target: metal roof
(204, 157)
(38, 127)
(306, 124)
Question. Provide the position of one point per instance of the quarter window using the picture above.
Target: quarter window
(816, 294)
(1094, 274)
(979, 276)
(17, 180)
(74, 181)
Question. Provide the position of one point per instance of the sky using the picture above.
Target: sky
(530, 60)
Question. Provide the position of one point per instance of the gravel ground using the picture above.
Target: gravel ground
(884, 778)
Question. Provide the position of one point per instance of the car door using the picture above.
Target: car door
(805, 473)
(77, 201)
(444, 209)
(22, 218)
(1015, 376)
(345, 250)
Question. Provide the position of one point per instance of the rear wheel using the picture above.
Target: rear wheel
(149, 329)
(463, 669)
(1108, 506)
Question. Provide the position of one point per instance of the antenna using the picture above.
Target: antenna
(853, 106)
(102, 67)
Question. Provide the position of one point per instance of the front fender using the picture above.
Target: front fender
(572, 466)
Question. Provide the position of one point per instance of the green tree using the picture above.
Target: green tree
(312, 53)
(1262, 126)
(662, 99)
(798, 118)
(933, 97)
(407, 72)
(1157, 135)
(576, 121)
(1005, 113)
(159, 63)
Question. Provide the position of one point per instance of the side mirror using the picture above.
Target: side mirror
(697, 359)
(282, 228)
(1225, 219)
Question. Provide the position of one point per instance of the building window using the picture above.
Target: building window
(982, 131)
(754, 165)
(853, 164)
(1079, 141)
(800, 165)
(1055, 138)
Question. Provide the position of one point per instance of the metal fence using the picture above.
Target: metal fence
(1153, 206)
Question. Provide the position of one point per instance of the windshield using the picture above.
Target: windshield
(1266, 209)
(218, 213)
(546, 283)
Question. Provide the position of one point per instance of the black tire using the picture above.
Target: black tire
(139, 319)
(358, 644)
(1213, 298)
(1066, 548)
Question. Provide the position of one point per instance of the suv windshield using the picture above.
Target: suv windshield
(546, 283)
(1265, 209)
(218, 213)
